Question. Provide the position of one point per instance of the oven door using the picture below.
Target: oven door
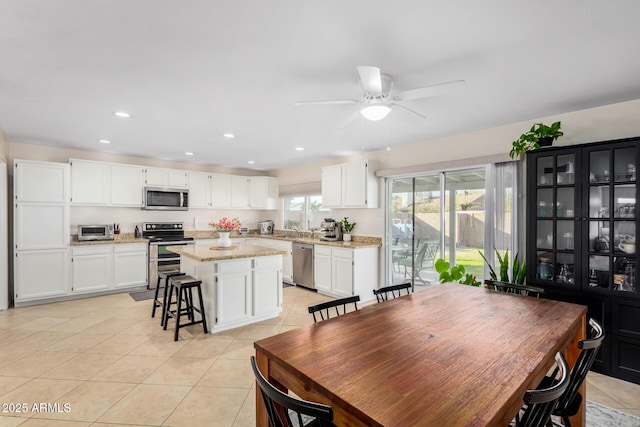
(160, 259)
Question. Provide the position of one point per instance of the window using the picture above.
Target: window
(304, 212)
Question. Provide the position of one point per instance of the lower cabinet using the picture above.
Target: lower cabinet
(342, 272)
(267, 285)
(287, 260)
(41, 274)
(130, 265)
(105, 267)
(233, 291)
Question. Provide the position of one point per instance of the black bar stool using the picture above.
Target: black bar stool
(183, 287)
(156, 301)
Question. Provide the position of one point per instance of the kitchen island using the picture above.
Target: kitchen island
(240, 285)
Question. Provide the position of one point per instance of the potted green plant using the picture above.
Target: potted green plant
(347, 227)
(518, 269)
(454, 274)
(540, 135)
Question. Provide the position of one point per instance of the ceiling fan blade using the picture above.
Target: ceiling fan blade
(327, 102)
(371, 79)
(351, 118)
(428, 91)
(409, 109)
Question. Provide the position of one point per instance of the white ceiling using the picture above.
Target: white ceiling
(188, 71)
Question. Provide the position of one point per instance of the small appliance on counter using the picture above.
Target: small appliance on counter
(265, 227)
(95, 232)
(244, 231)
(332, 229)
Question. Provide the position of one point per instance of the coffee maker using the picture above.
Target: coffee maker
(332, 229)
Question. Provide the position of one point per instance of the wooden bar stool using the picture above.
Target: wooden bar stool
(183, 287)
(156, 301)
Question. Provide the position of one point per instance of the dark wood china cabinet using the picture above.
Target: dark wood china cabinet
(582, 240)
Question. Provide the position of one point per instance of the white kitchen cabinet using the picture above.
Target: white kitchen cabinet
(199, 190)
(239, 192)
(220, 190)
(341, 272)
(91, 268)
(90, 182)
(130, 265)
(41, 274)
(256, 192)
(287, 259)
(350, 185)
(127, 182)
(41, 226)
(162, 177)
(41, 181)
(267, 285)
(233, 291)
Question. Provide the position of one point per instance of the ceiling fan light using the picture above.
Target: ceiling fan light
(375, 112)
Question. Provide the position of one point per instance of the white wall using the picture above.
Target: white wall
(4, 224)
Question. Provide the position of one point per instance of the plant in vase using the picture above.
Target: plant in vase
(346, 228)
(224, 227)
(539, 135)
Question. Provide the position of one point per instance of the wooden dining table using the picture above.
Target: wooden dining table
(451, 355)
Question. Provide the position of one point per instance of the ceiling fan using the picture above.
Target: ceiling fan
(379, 97)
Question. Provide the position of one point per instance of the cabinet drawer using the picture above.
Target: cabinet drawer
(343, 253)
(130, 247)
(92, 250)
(227, 267)
(322, 250)
(267, 262)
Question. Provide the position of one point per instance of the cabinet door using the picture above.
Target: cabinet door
(41, 274)
(41, 182)
(126, 185)
(220, 191)
(332, 186)
(92, 268)
(342, 271)
(130, 265)
(258, 192)
(267, 285)
(41, 226)
(156, 177)
(354, 186)
(239, 192)
(199, 190)
(177, 178)
(233, 291)
(90, 183)
(322, 269)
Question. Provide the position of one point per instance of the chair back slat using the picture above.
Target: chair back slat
(382, 294)
(513, 288)
(281, 406)
(324, 309)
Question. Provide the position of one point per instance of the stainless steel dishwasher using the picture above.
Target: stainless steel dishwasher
(303, 265)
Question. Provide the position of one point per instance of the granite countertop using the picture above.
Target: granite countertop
(118, 238)
(207, 252)
(357, 242)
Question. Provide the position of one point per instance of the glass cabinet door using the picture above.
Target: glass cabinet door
(611, 249)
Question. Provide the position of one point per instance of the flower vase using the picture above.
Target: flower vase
(224, 241)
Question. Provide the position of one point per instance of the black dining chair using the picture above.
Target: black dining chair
(281, 407)
(569, 403)
(540, 403)
(513, 288)
(324, 308)
(395, 291)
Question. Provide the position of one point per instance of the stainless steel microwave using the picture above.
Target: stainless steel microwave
(165, 199)
(95, 232)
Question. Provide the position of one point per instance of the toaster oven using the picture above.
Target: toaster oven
(95, 232)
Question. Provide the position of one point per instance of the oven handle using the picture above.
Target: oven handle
(180, 242)
(152, 260)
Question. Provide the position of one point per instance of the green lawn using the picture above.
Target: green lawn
(472, 261)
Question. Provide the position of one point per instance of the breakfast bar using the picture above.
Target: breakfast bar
(241, 284)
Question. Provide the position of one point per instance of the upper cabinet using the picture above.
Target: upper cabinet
(41, 181)
(126, 185)
(220, 190)
(255, 192)
(109, 184)
(161, 177)
(199, 190)
(350, 185)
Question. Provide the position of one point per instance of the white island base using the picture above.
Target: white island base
(238, 290)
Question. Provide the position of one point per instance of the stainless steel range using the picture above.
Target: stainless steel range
(161, 235)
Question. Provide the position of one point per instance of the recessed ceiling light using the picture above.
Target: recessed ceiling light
(228, 135)
(104, 141)
(188, 153)
(122, 114)
(299, 148)
(251, 162)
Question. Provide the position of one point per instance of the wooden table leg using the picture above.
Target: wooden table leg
(571, 354)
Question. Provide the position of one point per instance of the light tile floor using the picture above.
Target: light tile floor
(104, 361)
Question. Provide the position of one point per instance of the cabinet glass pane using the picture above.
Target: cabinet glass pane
(544, 270)
(624, 237)
(599, 236)
(564, 235)
(598, 271)
(545, 170)
(624, 167)
(624, 274)
(564, 207)
(599, 166)
(566, 169)
(624, 201)
(545, 202)
(565, 272)
(544, 234)
(599, 201)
